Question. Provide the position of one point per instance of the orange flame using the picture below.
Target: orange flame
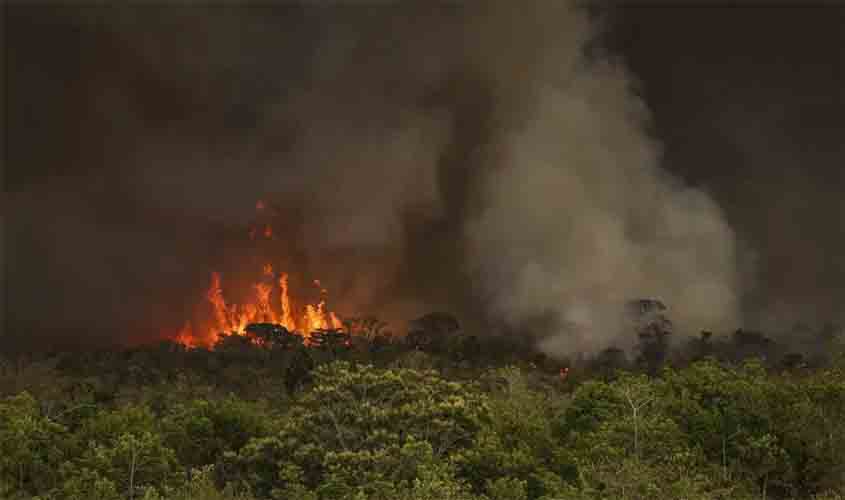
(186, 336)
(234, 318)
(287, 313)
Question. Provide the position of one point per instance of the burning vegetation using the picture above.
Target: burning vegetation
(269, 302)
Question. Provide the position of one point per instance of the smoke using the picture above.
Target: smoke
(755, 120)
(579, 218)
(484, 159)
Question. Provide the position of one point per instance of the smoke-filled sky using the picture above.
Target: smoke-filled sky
(527, 167)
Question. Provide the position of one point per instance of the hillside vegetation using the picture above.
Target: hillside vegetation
(442, 418)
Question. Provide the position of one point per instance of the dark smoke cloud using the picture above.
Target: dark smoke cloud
(487, 159)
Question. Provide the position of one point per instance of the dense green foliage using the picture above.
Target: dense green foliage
(369, 419)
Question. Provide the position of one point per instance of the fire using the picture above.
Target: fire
(269, 302)
(231, 318)
(287, 314)
(186, 335)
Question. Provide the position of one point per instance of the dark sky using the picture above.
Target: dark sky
(749, 105)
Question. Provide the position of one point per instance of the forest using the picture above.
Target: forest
(436, 414)
(521, 166)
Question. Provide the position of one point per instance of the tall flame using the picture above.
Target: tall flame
(234, 318)
(287, 313)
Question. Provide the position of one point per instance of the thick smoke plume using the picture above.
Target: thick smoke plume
(577, 217)
(486, 159)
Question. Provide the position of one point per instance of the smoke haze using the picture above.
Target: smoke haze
(490, 160)
(579, 218)
(754, 117)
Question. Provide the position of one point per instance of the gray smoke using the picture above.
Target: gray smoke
(578, 217)
(486, 159)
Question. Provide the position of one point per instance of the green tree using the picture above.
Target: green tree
(31, 447)
(732, 414)
(126, 447)
(627, 445)
(201, 430)
(133, 462)
(85, 484)
(517, 443)
(353, 424)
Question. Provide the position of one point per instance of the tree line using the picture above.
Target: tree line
(436, 415)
